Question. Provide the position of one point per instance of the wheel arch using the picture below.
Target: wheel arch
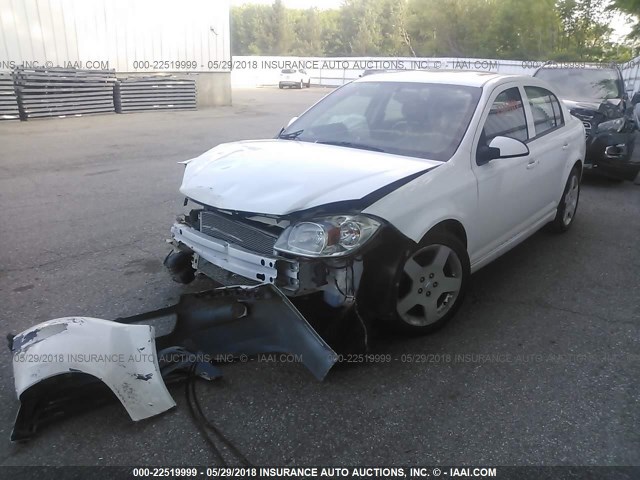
(578, 163)
(451, 226)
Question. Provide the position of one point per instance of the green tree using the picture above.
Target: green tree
(308, 33)
(501, 29)
(281, 30)
(524, 30)
(632, 9)
(251, 30)
(360, 27)
(586, 32)
(455, 28)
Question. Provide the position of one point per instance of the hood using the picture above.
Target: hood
(278, 177)
(608, 108)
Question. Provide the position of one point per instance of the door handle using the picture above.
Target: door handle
(532, 163)
(565, 146)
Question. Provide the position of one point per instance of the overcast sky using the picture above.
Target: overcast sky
(619, 26)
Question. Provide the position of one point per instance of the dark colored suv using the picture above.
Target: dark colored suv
(596, 96)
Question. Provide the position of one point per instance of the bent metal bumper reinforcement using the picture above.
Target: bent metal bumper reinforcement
(68, 365)
(259, 267)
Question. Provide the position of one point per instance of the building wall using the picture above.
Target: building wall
(130, 36)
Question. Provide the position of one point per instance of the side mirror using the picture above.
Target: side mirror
(485, 154)
(501, 147)
(635, 99)
(291, 121)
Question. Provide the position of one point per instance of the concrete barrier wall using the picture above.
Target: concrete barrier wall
(251, 71)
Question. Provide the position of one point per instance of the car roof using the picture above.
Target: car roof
(452, 77)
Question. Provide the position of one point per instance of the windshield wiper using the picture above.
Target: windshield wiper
(351, 145)
(290, 135)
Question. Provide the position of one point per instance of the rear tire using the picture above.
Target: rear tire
(280, 86)
(300, 85)
(568, 205)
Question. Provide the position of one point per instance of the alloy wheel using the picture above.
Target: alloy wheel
(431, 283)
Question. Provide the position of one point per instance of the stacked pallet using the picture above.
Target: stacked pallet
(49, 92)
(155, 92)
(8, 99)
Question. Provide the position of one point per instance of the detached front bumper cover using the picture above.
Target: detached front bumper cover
(60, 365)
(122, 356)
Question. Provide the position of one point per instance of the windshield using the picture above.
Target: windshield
(415, 119)
(582, 83)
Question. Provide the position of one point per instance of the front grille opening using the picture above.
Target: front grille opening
(237, 232)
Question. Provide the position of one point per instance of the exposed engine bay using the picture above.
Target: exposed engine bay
(233, 248)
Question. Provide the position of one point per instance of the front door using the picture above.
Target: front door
(507, 191)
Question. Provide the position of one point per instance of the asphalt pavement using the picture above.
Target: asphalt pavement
(541, 365)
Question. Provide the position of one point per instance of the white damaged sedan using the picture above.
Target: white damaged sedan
(386, 194)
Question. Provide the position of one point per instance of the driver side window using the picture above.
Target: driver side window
(506, 118)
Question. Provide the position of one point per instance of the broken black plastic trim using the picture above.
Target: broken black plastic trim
(57, 397)
(241, 320)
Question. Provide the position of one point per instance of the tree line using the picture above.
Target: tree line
(501, 29)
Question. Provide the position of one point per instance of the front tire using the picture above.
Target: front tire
(568, 204)
(415, 289)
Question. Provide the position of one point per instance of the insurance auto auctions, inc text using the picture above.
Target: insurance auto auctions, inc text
(376, 472)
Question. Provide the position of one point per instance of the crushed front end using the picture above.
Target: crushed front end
(610, 135)
(235, 248)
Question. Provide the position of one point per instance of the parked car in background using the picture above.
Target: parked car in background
(596, 96)
(387, 194)
(292, 77)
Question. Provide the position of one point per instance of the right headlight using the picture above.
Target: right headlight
(612, 125)
(330, 236)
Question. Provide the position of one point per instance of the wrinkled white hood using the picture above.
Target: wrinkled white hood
(278, 177)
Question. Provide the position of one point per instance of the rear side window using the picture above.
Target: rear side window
(545, 109)
(506, 117)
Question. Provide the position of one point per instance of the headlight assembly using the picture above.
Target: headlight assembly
(331, 236)
(612, 125)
